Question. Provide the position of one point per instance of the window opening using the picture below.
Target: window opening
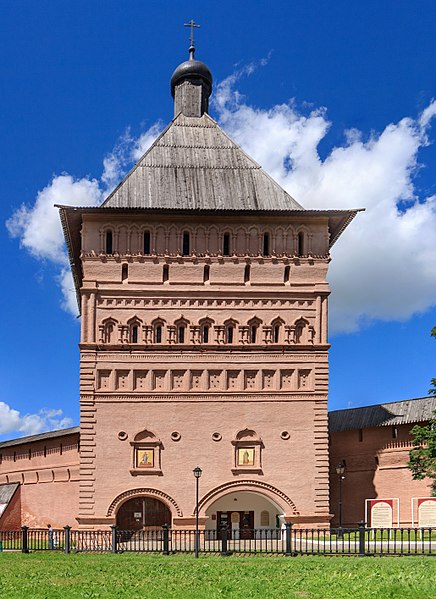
(276, 333)
(286, 274)
(185, 248)
(146, 242)
(230, 331)
(266, 244)
(253, 333)
(247, 273)
(134, 334)
(206, 273)
(205, 335)
(124, 272)
(301, 244)
(394, 432)
(181, 334)
(109, 242)
(360, 435)
(158, 334)
(165, 273)
(226, 244)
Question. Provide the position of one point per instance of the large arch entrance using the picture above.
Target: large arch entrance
(143, 513)
(242, 512)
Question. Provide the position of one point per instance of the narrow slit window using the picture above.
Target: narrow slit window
(266, 244)
(247, 273)
(181, 334)
(276, 333)
(124, 272)
(146, 242)
(394, 432)
(286, 274)
(253, 333)
(165, 273)
(301, 248)
(134, 334)
(360, 435)
(158, 334)
(226, 244)
(230, 334)
(205, 335)
(206, 273)
(186, 244)
(109, 242)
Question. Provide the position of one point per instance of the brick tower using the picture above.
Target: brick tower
(203, 295)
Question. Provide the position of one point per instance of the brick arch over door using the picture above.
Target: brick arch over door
(272, 493)
(148, 492)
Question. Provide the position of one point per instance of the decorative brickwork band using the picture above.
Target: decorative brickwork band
(118, 501)
(262, 488)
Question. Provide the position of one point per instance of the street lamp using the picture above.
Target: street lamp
(197, 473)
(340, 470)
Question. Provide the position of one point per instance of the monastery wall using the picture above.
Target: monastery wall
(376, 467)
(48, 473)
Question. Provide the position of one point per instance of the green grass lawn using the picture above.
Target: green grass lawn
(52, 575)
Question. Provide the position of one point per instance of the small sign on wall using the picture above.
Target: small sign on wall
(424, 512)
(380, 512)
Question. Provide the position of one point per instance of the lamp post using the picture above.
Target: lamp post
(197, 473)
(340, 470)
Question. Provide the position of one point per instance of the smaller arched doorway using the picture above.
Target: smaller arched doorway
(243, 512)
(143, 513)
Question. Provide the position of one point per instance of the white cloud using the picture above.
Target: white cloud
(384, 265)
(11, 421)
(38, 226)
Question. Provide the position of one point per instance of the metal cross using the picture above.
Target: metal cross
(192, 24)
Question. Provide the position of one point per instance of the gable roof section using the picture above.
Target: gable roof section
(6, 493)
(409, 411)
(194, 165)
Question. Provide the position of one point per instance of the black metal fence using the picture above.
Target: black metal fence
(287, 541)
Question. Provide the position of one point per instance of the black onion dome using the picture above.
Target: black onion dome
(191, 69)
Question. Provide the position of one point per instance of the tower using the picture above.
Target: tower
(203, 295)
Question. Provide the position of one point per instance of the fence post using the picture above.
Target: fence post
(288, 539)
(24, 543)
(114, 538)
(67, 546)
(166, 540)
(224, 541)
(361, 538)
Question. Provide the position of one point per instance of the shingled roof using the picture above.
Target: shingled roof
(409, 411)
(194, 165)
(6, 493)
(41, 437)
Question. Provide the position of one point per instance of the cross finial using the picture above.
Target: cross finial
(192, 24)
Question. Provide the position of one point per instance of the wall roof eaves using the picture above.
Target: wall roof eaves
(409, 411)
(41, 437)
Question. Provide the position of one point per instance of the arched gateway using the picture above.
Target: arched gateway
(142, 512)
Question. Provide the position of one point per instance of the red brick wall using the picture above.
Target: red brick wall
(376, 467)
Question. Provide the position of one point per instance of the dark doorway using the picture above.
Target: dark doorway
(246, 524)
(142, 513)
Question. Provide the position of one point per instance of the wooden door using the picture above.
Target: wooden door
(246, 525)
(141, 513)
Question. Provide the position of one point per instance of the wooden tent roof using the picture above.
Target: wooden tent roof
(194, 165)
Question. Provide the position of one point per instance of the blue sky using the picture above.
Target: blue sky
(333, 99)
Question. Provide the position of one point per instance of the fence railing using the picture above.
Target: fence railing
(288, 541)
